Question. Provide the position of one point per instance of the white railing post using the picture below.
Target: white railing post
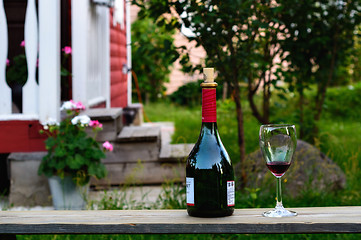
(30, 89)
(129, 51)
(49, 60)
(91, 53)
(79, 33)
(104, 52)
(5, 91)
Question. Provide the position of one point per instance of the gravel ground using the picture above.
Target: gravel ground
(143, 194)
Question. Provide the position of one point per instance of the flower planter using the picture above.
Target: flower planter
(72, 153)
(66, 195)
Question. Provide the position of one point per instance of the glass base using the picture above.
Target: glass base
(279, 212)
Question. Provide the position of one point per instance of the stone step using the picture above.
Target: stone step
(166, 130)
(133, 114)
(141, 173)
(142, 155)
(139, 134)
(27, 188)
(112, 120)
(175, 152)
(140, 163)
(132, 152)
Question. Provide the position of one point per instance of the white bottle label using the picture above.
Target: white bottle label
(190, 191)
(230, 193)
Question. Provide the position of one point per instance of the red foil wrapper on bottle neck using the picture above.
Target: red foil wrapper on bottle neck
(209, 105)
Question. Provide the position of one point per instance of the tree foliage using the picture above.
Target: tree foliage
(320, 38)
(239, 38)
(153, 54)
(261, 42)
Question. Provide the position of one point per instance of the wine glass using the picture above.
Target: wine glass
(278, 143)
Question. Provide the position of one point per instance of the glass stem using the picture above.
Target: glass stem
(279, 193)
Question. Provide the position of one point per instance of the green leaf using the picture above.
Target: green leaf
(282, 96)
(97, 170)
(76, 162)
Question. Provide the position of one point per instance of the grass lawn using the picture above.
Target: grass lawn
(188, 123)
(339, 139)
(196, 237)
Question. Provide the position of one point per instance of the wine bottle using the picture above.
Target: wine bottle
(209, 173)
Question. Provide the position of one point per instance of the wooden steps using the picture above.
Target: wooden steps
(143, 155)
(175, 152)
(139, 134)
(110, 118)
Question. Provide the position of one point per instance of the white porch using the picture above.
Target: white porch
(90, 58)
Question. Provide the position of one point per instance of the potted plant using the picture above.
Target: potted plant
(73, 157)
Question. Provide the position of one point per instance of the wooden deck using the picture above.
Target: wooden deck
(250, 221)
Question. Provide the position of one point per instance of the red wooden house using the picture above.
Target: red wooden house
(98, 32)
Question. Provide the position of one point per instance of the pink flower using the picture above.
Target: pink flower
(7, 62)
(80, 106)
(108, 146)
(22, 44)
(77, 105)
(67, 50)
(71, 105)
(95, 124)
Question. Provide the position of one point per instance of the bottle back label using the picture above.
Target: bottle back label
(230, 193)
(209, 105)
(190, 191)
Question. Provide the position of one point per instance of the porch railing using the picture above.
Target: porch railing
(91, 53)
(90, 59)
(40, 100)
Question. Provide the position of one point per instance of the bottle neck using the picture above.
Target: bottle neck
(209, 132)
(209, 105)
(209, 128)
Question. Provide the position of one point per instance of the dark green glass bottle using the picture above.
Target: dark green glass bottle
(209, 171)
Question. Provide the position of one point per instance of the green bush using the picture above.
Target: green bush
(153, 54)
(190, 94)
(17, 72)
(343, 102)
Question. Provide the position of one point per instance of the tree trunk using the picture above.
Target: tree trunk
(225, 91)
(266, 99)
(251, 93)
(268, 57)
(241, 142)
(254, 108)
(301, 105)
(321, 93)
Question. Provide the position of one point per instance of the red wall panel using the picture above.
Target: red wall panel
(21, 136)
(118, 58)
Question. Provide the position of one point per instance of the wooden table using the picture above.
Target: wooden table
(309, 220)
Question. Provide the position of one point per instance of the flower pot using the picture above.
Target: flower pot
(66, 194)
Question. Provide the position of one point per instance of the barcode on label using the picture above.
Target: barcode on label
(230, 193)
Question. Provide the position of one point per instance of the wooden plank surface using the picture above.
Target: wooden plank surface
(133, 152)
(309, 220)
(103, 113)
(139, 134)
(175, 152)
(141, 173)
